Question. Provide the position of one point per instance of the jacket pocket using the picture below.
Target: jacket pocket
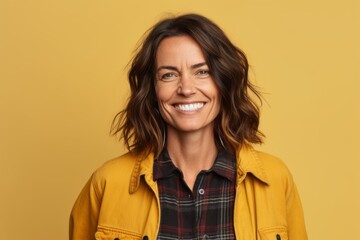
(273, 233)
(109, 233)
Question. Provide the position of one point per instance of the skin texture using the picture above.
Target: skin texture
(189, 101)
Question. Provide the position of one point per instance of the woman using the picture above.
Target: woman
(191, 172)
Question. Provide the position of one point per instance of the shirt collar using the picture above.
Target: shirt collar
(224, 165)
(247, 161)
(163, 166)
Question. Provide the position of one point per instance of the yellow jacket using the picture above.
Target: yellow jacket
(121, 201)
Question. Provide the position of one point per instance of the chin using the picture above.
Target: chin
(192, 127)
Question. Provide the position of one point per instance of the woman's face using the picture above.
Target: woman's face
(187, 95)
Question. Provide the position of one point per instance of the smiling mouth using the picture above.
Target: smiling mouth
(189, 107)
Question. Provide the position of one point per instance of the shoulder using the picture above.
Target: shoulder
(271, 163)
(264, 166)
(123, 162)
(117, 170)
(276, 171)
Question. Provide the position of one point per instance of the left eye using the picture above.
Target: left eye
(203, 72)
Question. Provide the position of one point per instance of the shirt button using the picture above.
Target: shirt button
(201, 191)
(278, 237)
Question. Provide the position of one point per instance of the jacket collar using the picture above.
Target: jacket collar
(247, 162)
(143, 167)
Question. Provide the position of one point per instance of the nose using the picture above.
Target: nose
(186, 86)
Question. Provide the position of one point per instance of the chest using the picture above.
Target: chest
(205, 211)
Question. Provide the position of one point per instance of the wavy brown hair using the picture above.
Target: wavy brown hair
(140, 124)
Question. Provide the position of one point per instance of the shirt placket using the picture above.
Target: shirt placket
(199, 194)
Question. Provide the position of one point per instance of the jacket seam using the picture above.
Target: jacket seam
(118, 230)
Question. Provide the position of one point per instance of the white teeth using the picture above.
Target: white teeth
(189, 107)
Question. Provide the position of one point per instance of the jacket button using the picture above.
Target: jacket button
(145, 238)
(278, 237)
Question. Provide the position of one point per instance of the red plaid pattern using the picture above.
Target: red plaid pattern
(204, 213)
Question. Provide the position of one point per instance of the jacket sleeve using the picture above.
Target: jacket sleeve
(295, 216)
(85, 213)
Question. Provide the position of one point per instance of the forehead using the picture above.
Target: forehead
(178, 50)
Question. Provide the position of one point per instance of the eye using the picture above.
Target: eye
(168, 76)
(203, 73)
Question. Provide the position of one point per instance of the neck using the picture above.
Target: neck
(191, 152)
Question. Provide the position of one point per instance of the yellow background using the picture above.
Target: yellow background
(63, 78)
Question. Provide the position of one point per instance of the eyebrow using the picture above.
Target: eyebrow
(197, 65)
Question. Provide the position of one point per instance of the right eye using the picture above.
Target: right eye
(168, 76)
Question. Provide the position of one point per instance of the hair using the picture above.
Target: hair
(140, 124)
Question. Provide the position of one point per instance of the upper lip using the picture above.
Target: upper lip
(186, 103)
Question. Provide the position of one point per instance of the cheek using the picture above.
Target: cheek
(215, 93)
(162, 98)
(158, 93)
(163, 93)
(218, 102)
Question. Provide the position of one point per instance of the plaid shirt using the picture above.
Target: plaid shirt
(204, 213)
